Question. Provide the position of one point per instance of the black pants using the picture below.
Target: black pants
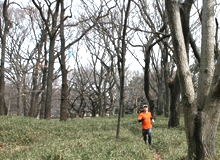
(146, 132)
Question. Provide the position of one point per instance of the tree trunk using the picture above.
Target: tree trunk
(34, 109)
(49, 92)
(52, 32)
(42, 106)
(166, 77)
(161, 89)
(201, 115)
(208, 86)
(121, 67)
(20, 109)
(147, 81)
(50, 80)
(175, 87)
(100, 105)
(175, 93)
(188, 97)
(64, 90)
(43, 88)
(3, 50)
(34, 95)
(147, 56)
(24, 101)
(104, 93)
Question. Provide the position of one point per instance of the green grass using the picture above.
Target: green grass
(89, 139)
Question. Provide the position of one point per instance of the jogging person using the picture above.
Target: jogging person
(147, 119)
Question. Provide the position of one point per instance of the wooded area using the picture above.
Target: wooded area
(176, 42)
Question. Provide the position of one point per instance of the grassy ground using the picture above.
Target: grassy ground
(89, 139)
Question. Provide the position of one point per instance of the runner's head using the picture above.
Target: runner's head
(145, 108)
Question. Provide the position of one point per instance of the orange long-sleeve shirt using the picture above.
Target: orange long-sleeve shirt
(146, 120)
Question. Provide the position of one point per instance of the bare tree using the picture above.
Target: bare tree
(39, 62)
(78, 93)
(86, 24)
(5, 25)
(154, 28)
(19, 68)
(64, 89)
(52, 32)
(99, 73)
(201, 112)
(134, 93)
(121, 67)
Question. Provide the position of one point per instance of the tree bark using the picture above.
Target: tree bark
(121, 67)
(208, 85)
(49, 89)
(3, 34)
(174, 86)
(64, 89)
(52, 32)
(201, 115)
(20, 89)
(34, 108)
(43, 88)
(166, 77)
(147, 81)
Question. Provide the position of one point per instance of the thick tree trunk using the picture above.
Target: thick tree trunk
(2, 85)
(2, 77)
(210, 122)
(201, 115)
(188, 97)
(209, 84)
(175, 87)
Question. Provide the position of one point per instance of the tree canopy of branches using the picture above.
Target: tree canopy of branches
(73, 58)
